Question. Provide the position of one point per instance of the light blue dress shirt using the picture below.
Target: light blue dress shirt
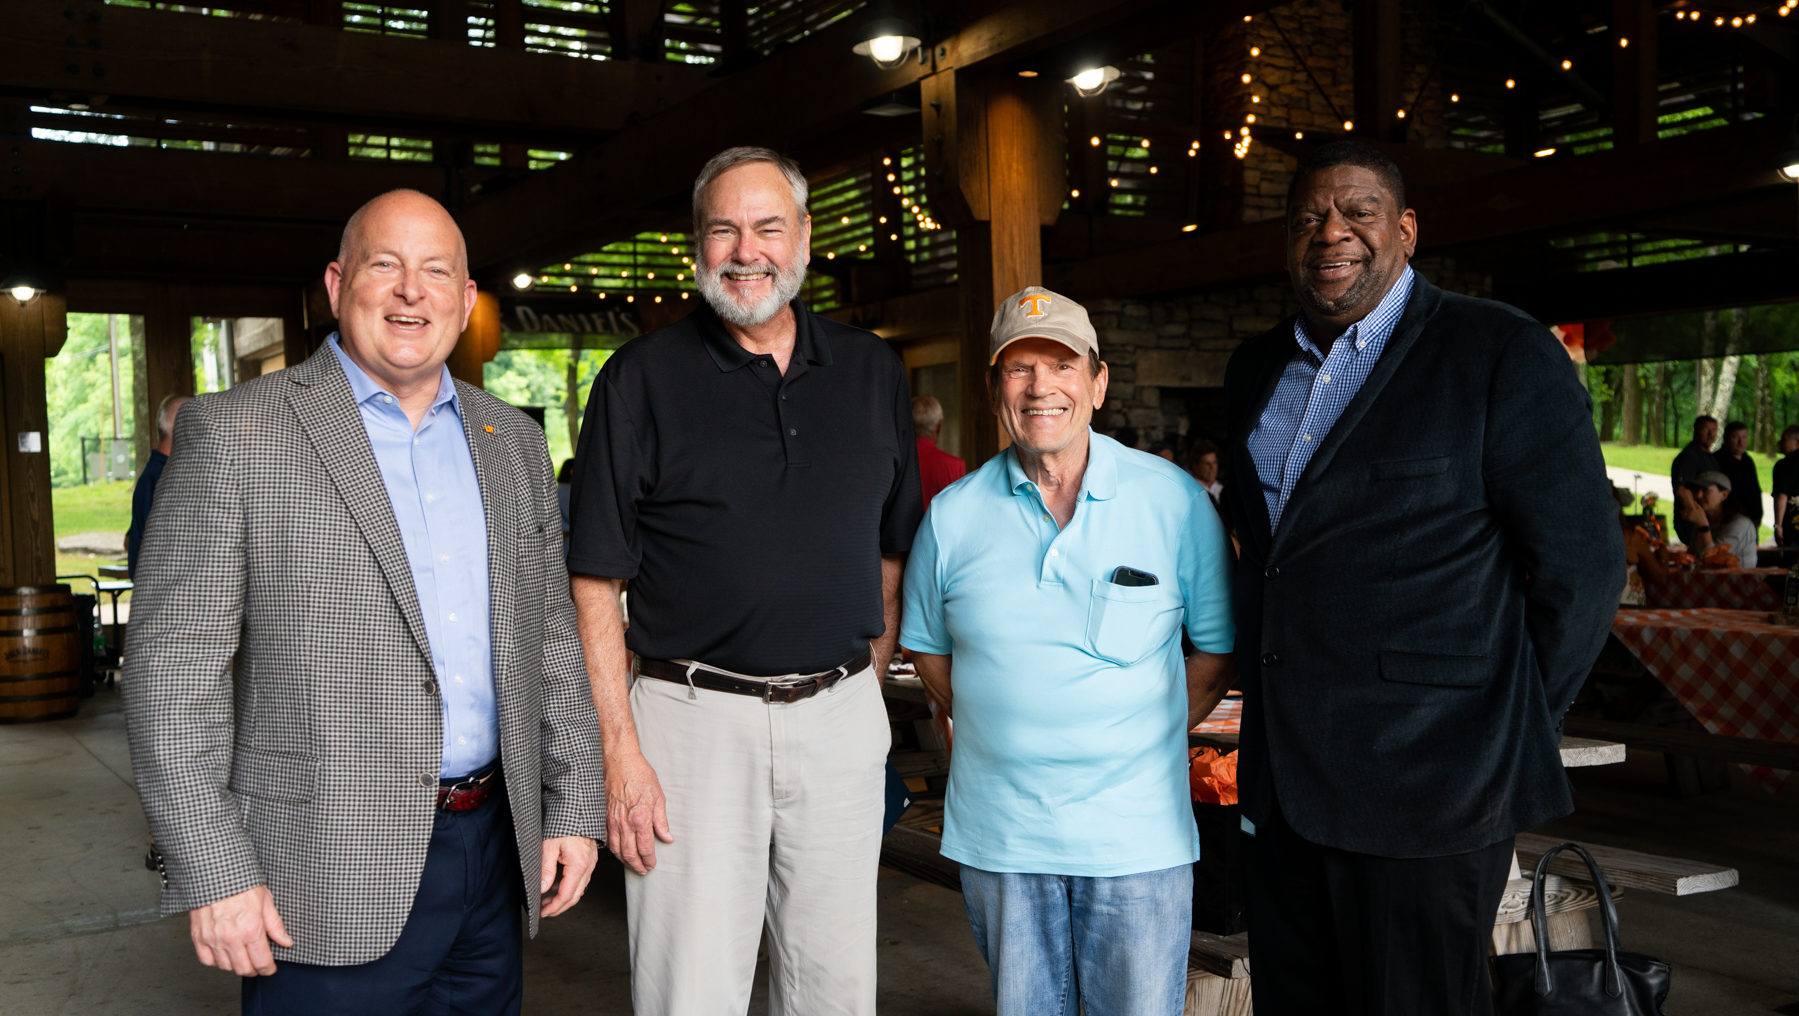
(1070, 691)
(436, 499)
(1312, 393)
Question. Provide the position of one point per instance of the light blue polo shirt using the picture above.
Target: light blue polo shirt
(1070, 692)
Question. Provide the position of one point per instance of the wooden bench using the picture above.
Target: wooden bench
(1672, 876)
(1676, 741)
(1576, 751)
(1218, 975)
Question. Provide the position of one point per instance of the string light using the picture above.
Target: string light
(665, 238)
(887, 161)
(1094, 140)
(1453, 97)
(1623, 42)
(1348, 125)
(1190, 227)
(1255, 51)
(1567, 65)
(1075, 193)
(1146, 142)
(1511, 83)
(683, 294)
(1299, 135)
(1255, 98)
(1246, 79)
(1400, 114)
(1152, 171)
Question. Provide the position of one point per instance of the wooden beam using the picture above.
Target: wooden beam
(603, 193)
(1535, 196)
(211, 185)
(90, 49)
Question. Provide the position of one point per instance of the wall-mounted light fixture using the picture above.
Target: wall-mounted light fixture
(1789, 159)
(22, 290)
(1093, 80)
(888, 41)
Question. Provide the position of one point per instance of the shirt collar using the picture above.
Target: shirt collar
(363, 387)
(1375, 328)
(808, 344)
(1098, 483)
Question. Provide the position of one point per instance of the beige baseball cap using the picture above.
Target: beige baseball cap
(1036, 313)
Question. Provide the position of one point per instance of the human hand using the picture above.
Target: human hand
(576, 855)
(636, 811)
(233, 933)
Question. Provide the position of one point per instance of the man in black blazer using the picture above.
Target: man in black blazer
(1430, 562)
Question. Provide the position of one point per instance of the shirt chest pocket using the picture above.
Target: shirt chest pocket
(1127, 623)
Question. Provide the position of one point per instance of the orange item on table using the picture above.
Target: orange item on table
(1212, 776)
(1719, 555)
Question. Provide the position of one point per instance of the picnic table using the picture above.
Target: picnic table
(1727, 588)
(1735, 671)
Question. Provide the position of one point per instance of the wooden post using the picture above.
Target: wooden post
(995, 158)
(1635, 95)
(479, 342)
(28, 335)
(1377, 70)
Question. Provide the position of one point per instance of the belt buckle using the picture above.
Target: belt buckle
(788, 691)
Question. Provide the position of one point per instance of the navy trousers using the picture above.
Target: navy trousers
(460, 952)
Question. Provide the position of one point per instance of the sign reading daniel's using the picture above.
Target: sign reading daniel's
(557, 317)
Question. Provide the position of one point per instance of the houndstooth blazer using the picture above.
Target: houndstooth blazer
(284, 724)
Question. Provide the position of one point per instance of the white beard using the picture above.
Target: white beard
(747, 315)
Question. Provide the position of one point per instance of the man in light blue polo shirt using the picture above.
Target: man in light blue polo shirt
(1044, 602)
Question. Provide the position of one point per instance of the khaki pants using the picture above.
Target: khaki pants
(776, 815)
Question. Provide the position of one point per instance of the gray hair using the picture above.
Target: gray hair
(927, 414)
(165, 414)
(730, 159)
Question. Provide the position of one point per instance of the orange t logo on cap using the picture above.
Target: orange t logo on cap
(1035, 305)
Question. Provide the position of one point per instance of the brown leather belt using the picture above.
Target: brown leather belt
(468, 793)
(790, 689)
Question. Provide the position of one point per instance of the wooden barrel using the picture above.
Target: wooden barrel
(40, 654)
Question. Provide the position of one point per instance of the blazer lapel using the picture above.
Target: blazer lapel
(500, 494)
(327, 411)
(1420, 308)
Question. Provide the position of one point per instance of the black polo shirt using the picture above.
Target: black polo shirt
(749, 509)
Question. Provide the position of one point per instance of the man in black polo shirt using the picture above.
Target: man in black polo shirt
(752, 472)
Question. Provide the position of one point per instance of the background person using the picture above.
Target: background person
(1735, 462)
(1689, 462)
(143, 495)
(937, 468)
(1786, 489)
(1714, 516)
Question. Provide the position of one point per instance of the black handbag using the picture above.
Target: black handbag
(1578, 982)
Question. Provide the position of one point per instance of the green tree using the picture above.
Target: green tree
(539, 377)
(79, 389)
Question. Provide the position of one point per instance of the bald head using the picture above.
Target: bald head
(400, 291)
(405, 202)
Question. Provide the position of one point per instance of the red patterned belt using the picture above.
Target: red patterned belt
(469, 793)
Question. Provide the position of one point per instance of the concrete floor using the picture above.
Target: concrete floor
(79, 931)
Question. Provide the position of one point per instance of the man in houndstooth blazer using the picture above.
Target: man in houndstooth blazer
(283, 696)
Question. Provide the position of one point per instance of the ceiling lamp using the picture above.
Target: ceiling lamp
(522, 281)
(1094, 80)
(887, 41)
(22, 289)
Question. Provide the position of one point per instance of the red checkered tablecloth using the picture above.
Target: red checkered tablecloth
(1225, 719)
(1734, 670)
(1725, 588)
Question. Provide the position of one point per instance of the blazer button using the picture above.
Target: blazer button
(1271, 659)
(1272, 572)
(430, 687)
(427, 780)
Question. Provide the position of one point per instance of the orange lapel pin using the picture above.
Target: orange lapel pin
(487, 427)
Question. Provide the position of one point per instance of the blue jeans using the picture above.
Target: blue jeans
(1104, 946)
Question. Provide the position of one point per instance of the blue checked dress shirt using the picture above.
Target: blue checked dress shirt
(436, 499)
(1311, 395)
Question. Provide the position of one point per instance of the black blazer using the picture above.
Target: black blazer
(1444, 574)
